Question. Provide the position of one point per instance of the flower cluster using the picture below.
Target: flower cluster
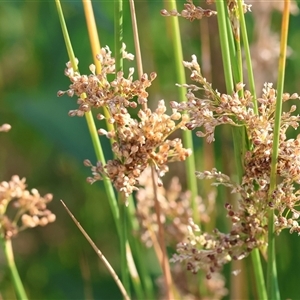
(249, 220)
(190, 12)
(95, 90)
(31, 208)
(136, 142)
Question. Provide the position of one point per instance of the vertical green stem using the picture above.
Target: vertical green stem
(123, 241)
(18, 286)
(118, 22)
(118, 19)
(247, 55)
(224, 45)
(272, 282)
(187, 134)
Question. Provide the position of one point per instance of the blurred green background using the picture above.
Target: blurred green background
(48, 147)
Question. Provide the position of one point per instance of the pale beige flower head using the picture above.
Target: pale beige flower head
(29, 207)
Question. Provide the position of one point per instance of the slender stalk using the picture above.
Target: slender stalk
(224, 45)
(247, 55)
(9, 255)
(95, 44)
(118, 22)
(232, 51)
(123, 242)
(118, 19)
(92, 31)
(99, 253)
(272, 282)
(240, 64)
(65, 33)
(136, 39)
(187, 134)
(136, 44)
(164, 261)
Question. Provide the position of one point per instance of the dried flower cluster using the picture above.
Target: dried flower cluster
(249, 220)
(30, 208)
(136, 142)
(190, 12)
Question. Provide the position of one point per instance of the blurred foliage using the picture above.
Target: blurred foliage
(48, 147)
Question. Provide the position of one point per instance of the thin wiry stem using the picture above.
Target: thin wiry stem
(118, 22)
(123, 242)
(136, 44)
(118, 28)
(99, 253)
(136, 39)
(247, 55)
(272, 282)
(164, 261)
(95, 44)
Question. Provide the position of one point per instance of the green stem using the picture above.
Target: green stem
(258, 275)
(123, 241)
(18, 286)
(118, 21)
(233, 52)
(187, 134)
(66, 35)
(221, 15)
(272, 282)
(247, 55)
